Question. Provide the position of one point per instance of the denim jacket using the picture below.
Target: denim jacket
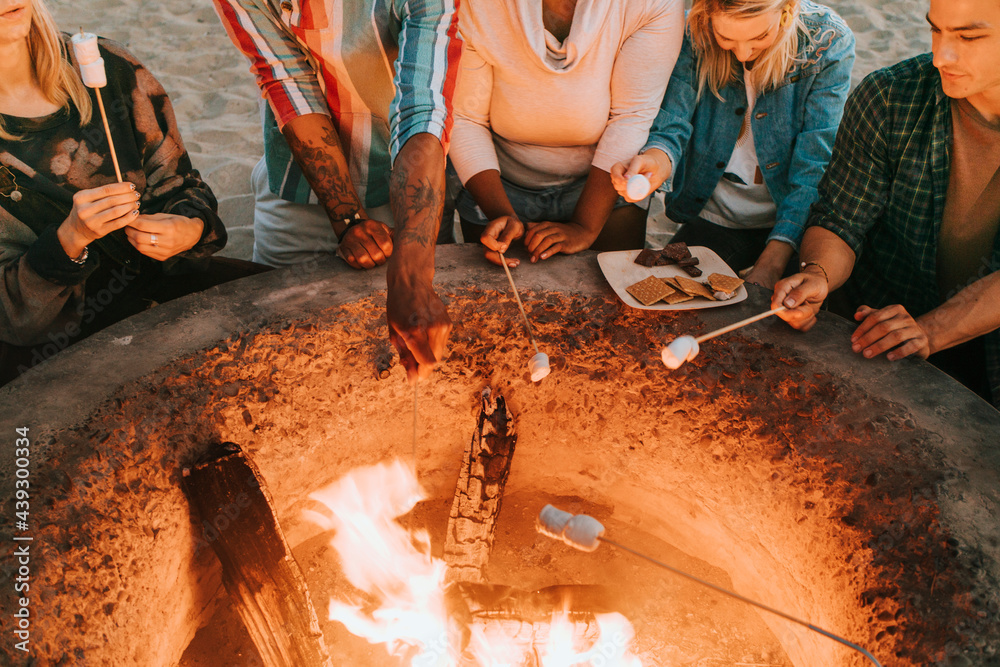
(794, 125)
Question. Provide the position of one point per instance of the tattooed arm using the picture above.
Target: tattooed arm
(316, 147)
(418, 321)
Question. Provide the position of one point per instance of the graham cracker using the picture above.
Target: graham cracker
(676, 296)
(723, 283)
(649, 290)
(694, 288)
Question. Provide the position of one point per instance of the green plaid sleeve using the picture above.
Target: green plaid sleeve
(855, 187)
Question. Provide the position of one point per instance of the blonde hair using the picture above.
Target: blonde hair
(59, 82)
(718, 67)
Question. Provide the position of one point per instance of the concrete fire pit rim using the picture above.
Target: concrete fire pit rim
(200, 321)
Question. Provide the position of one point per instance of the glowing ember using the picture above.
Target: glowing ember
(408, 613)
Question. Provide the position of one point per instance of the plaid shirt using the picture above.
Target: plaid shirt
(384, 70)
(885, 188)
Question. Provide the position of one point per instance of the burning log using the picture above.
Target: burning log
(260, 574)
(506, 625)
(479, 492)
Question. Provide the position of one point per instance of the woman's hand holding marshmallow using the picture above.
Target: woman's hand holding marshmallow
(653, 164)
(96, 213)
(498, 236)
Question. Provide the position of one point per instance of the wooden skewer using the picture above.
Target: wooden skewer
(524, 316)
(107, 131)
(415, 429)
(737, 325)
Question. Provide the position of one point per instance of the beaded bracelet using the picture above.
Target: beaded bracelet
(818, 266)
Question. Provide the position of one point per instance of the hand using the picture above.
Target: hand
(545, 239)
(802, 294)
(653, 164)
(498, 236)
(366, 245)
(173, 234)
(418, 326)
(770, 266)
(766, 277)
(890, 328)
(96, 213)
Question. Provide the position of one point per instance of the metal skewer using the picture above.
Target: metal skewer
(586, 533)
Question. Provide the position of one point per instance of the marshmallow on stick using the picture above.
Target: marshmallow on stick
(94, 76)
(686, 348)
(538, 365)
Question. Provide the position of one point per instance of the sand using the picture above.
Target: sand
(184, 45)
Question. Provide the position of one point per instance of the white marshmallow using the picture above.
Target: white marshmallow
(638, 187)
(583, 532)
(579, 531)
(678, 351)
(552, 521)
(94, 75)
(723, 296)
(85, 48)
(539, 367)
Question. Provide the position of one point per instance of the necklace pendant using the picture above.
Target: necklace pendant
(16, 195)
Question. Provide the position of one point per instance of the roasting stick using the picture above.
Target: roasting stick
(737, 325)
(539, 364)
(586, 533)
(93, 74)
(415, 429)
(686, 348)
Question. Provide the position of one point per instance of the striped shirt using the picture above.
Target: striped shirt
(884, 193)
(383, 70)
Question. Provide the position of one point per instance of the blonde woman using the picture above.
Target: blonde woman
(78, 250)
(552, 94)
(746, 127)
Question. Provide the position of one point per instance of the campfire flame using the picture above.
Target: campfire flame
(409, 616)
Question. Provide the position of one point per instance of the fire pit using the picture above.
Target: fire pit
(862, 496)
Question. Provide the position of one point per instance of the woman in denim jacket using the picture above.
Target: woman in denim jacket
(746, 127)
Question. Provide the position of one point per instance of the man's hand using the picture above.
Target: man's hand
(418, 322)
(545, 239)
(418, 326)
(653, 164)
(366, 245)
(163, 235)
(889, 329)
(498, 236)
(96, 213)
(802, 294)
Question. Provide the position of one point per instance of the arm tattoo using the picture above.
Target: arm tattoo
(416, 206)
(329, 176)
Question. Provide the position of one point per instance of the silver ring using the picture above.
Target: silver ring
(152, 239)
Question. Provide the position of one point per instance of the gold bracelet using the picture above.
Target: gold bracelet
(818, 266)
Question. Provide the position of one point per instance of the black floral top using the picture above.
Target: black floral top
(44, 294)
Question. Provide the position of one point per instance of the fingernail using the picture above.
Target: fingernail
(132, 185)
(856, 348)
(135, 212)
(789, 303)
(137, 195)
(868, 354)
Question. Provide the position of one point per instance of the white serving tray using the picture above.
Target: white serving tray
(621, 271)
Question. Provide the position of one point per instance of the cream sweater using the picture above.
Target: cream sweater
(542, 112)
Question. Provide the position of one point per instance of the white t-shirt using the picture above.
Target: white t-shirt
(741, 199)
